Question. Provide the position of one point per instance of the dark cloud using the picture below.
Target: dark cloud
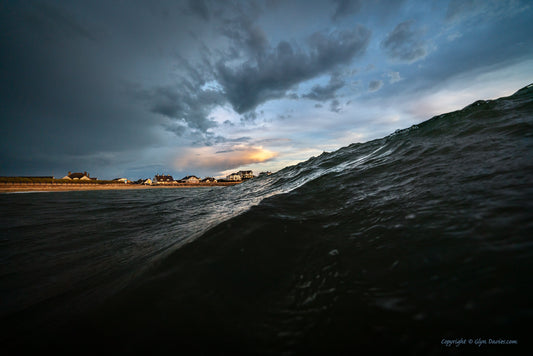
(59, 103)
(249, 117)
(345, 8)
(375, 85)
(178, 128)
(225, 151)
(245, 35)
(269, 76)
(66, 82)
(209, 139)
(293, 96)
(335, 106)
(199, 8)
(405, 44)
(185, 105)
(326, 92)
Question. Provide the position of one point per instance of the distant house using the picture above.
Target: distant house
(190, 179)
(246, 174)
(163, 179)
(147, 182)
(78, 176)
(121, 180)
(209, 180)
(265, 173)
(234, 177)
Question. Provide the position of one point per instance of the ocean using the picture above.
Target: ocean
(417, 243)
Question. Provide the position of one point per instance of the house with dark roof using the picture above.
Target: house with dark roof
(190, 179)
(78, 176)
(208, 180)
(163, 179)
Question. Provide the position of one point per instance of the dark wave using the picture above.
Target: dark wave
(386, 246)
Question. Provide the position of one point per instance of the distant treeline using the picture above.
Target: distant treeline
(49, 180)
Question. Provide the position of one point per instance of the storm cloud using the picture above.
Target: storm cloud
(189, 107)
(335, 106)
(120, 88)
(405, 44)
(375, 85)
(199, 8)
(346, 7)
(270, 75)
(326, 92)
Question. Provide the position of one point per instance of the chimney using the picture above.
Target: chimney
(84, 173)
(69, 173)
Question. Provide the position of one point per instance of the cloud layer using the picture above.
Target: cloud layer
(119, 89)
(275, 70)
(405, 44)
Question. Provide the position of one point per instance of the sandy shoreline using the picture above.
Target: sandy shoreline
(36, 187)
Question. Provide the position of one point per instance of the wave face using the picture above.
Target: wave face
(389, 245)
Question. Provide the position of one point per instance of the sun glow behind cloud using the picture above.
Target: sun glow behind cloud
(213, 159)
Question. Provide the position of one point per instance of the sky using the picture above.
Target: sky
(137, 88)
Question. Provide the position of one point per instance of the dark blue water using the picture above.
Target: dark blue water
(393, 245)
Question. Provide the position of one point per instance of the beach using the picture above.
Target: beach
(45, 187)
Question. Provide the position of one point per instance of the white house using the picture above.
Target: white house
(190, 179)
(234, 177)
(246, 174)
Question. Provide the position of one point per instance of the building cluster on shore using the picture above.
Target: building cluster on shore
(159, 179)
(168, 179)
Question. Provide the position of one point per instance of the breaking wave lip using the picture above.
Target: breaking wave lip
(356, 157)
